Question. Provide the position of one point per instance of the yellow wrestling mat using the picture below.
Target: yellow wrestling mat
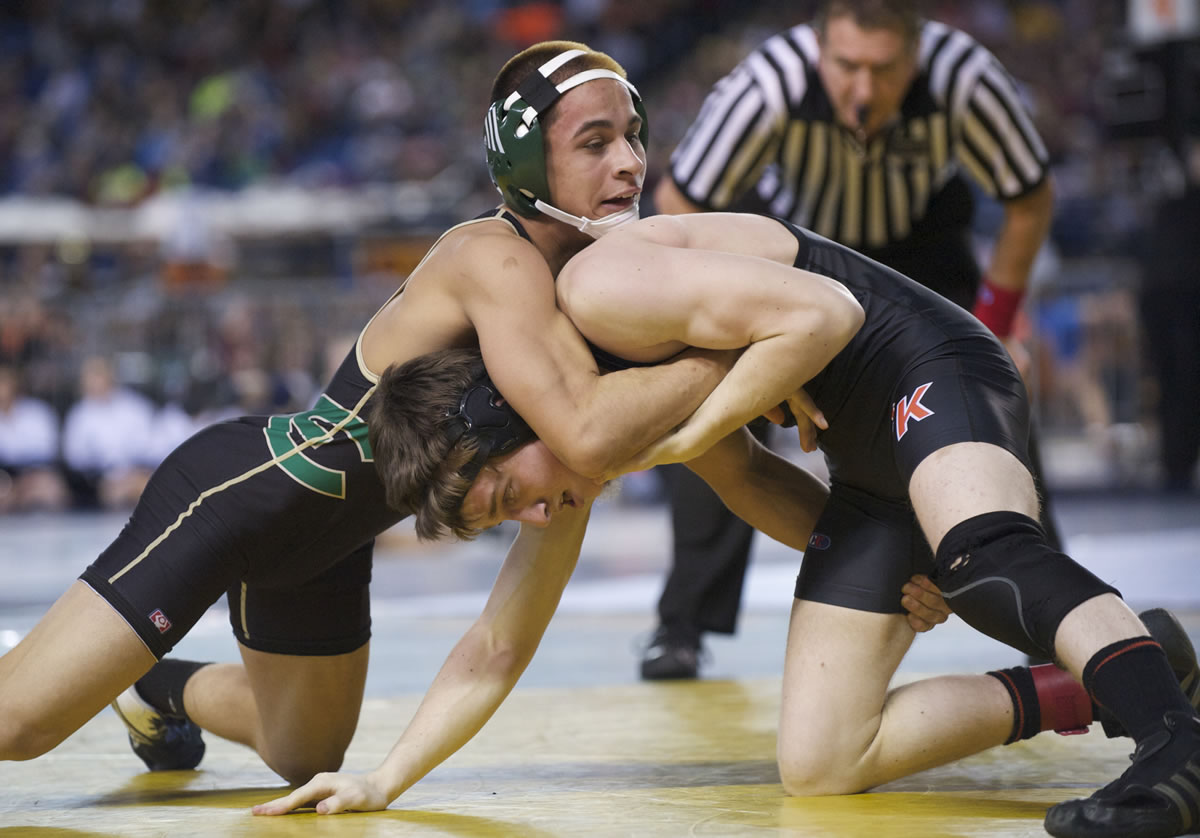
(693, 758)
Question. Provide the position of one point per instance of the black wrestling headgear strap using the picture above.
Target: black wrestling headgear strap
(485, 415)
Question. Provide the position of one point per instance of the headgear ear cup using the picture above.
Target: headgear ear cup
(517, 164)
(483, 413)
(516, 154)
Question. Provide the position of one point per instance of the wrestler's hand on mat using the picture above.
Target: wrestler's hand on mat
(330, 794)
(809, 418)
(924, 603)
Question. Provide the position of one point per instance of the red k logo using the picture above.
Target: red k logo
(910, 407)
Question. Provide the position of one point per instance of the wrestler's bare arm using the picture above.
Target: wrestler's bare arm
(477, 676)
(767, 491)
(540, 362)
(646, 292)
(785, 501)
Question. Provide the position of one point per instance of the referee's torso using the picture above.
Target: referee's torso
(769, 125)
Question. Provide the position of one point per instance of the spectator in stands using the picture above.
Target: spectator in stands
(29, 430)
(106, 439)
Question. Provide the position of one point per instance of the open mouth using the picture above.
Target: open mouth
(622, 203)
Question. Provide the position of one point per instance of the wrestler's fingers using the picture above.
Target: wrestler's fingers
(301, 798)
(929, 593)
(801, 403)
(918, 625)
(806, 431)
(923, 601)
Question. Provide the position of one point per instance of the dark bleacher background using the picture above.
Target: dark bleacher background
(216, 194)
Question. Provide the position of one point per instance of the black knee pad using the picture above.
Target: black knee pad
(1001, 576)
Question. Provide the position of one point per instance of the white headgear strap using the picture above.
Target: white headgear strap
(594, 227)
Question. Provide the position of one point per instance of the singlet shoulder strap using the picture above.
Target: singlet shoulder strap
(803, 242)
(504, 214)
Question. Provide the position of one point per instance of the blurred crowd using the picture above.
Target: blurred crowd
(112, 351)
(111, 100)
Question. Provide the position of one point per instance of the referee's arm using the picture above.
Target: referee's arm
(1000, 146)
(1026, 224)
(671, 201)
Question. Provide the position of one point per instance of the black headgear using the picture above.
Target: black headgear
(484, 415)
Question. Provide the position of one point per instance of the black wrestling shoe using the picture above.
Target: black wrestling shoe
(164, 743)
(1164, 628)
(671, 654)
(1157, 797)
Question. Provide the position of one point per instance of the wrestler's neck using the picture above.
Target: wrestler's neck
(557, 241)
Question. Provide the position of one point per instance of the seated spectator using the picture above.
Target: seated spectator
(172, 425)
(106, 439)
(29, 429)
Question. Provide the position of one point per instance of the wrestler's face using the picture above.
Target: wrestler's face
(529, 485)
(866, 72)
(595, 163)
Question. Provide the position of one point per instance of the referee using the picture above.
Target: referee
(861, 127)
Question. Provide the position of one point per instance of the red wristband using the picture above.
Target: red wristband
(996, 307)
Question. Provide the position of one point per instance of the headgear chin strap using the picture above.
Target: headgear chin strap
(485, 416)
(594, 227)
(516, 154)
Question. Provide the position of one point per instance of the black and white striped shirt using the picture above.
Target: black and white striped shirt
(769, 122)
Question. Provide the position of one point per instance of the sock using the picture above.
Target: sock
(162, 687)
(1133, 680)
(1044, 697)
(1027, 715)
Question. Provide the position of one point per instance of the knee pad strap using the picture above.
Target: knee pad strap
(999, 574)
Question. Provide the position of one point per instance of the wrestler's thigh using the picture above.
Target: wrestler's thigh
(838, 665)
(967, 479)
(78, 658)
(308, 707)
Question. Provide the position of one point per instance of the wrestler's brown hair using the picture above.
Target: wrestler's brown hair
(422, 473)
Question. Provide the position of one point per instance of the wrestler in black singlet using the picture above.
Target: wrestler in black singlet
(919, 375)
(280, 513)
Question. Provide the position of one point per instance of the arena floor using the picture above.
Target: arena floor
(582, 747)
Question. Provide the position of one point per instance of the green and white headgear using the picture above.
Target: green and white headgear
(516, 153)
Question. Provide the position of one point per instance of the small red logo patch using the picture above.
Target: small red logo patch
(160, 621)
(910, 407)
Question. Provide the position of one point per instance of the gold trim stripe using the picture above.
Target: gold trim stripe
(332, 432)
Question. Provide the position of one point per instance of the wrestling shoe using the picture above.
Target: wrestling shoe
(1164, 628)
(1157, 797)
(164, 743)
(671, 654)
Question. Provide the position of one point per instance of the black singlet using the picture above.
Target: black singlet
(919, 375)
(279, 512)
